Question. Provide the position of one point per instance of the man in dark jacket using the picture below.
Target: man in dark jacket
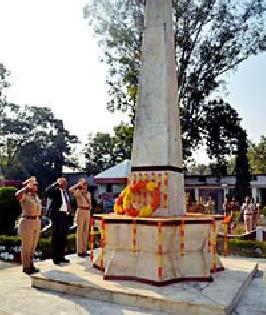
(60, 215)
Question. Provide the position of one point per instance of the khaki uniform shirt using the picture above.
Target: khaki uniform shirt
(31, 205)
(83, 199)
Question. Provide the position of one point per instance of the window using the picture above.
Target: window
(109, 188)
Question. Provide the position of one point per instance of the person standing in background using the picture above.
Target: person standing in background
(235, 211)
(254, 213)
(83, 198)
(247, 209)
(258, 211)
(60, 210)
(226, 207)
(29, 224)
(210, 205)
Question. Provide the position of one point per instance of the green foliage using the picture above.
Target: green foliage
(123, 140)
(3, 82)
(9, 210)
(44, 244)
(223, 127)
(240, 229)
(242, 186)
(104, 151)
(257, 156)
(198, 169)
(10, 240)
(264, 211)
(212, 37)
(247, 248)
(32, 142)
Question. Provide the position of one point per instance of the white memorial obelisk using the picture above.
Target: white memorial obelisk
(157, 145)
(166, 246)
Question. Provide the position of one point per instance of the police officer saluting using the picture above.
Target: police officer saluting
(30, 224)
(83, 197)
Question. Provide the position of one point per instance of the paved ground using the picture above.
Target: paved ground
(253, 301)
(18, 298)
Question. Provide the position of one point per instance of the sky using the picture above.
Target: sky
(53, 58)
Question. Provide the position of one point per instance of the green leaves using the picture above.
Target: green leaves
(212, 37)
(103, 150)
(257, 156)
(33, 142)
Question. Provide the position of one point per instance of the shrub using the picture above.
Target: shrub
(9, 210)
(247, 248)
(239, 230)
(44, 244)
(264, 211)
(10, 241)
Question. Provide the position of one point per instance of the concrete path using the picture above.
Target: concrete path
(253, 300)
(18, 298)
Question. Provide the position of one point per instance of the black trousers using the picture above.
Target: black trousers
(59, 235)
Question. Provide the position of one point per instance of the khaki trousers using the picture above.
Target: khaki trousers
(248, 222)
(30, 231)
(83, 221)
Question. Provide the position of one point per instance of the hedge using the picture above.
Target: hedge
(9, 210)
(44, 244)
(246, 248)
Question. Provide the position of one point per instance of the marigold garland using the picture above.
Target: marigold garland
(125, 202)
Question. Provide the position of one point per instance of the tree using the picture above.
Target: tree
(104, 151)
(212, 37)
(257, 156)
(123, 141)
(4, 73)
(33, 142)
(221, 135)
(99, 153)
(242, 186)
(198, 169)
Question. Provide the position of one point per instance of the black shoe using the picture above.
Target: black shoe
(28, 271)
(56, 262)
(35, 269)
(65, 261)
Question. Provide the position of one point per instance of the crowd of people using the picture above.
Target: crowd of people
(202, 206)
(249, 212)
(59, 212)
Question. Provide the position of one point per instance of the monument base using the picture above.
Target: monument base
(158, 250)
(215, 298)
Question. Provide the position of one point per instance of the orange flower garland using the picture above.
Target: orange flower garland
(125, 201)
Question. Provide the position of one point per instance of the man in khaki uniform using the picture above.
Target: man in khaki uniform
(248, 210)
(83, 198)
(30, 224)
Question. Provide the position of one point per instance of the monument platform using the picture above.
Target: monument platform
(158, 250)
(216, 298)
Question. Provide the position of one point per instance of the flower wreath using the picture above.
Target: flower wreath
(124, 203)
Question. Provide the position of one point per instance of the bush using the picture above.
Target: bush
(239, 230)
(44, 244)
(10, 241)
(247, 248)
(9, 210)
(264, 211)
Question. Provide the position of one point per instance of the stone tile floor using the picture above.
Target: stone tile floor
(18, 298)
